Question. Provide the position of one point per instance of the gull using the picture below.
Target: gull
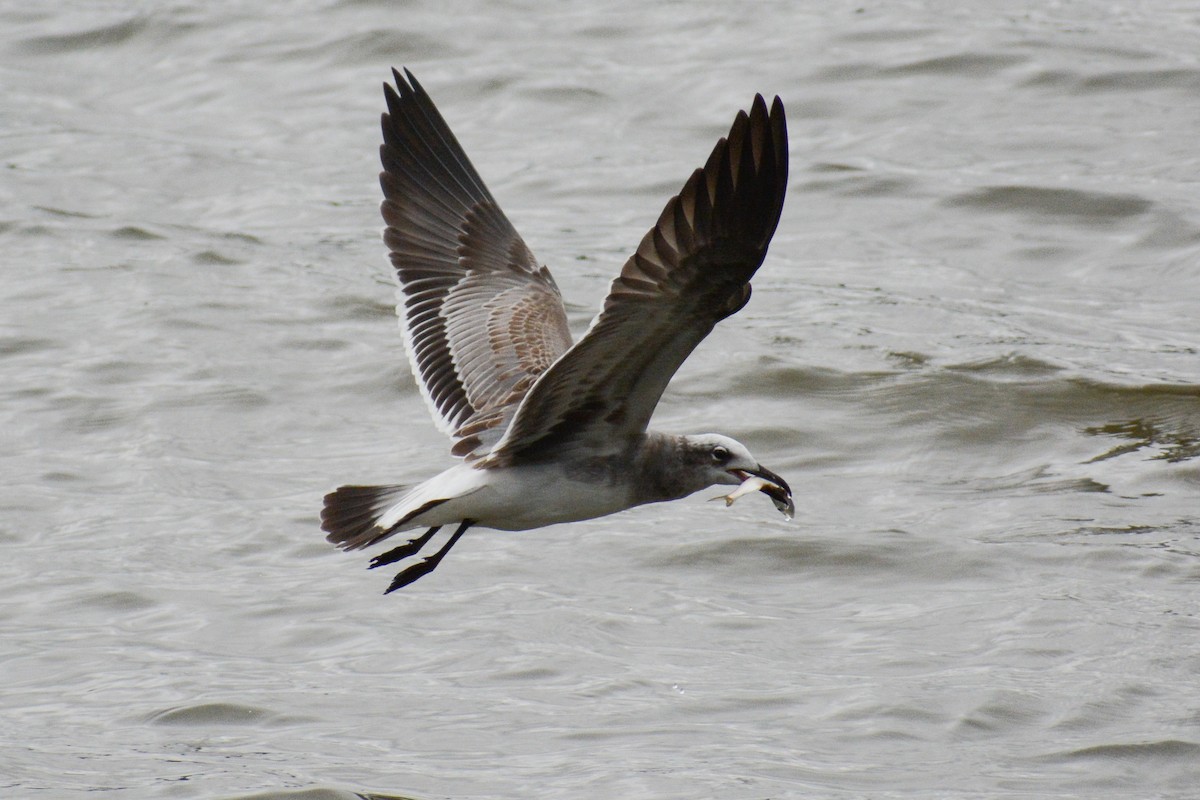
(548, 430)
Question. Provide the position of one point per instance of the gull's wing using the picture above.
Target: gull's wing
(690, 271)
(481, 319)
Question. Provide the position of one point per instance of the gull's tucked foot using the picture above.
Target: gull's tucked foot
(429, 564)
(409, 548)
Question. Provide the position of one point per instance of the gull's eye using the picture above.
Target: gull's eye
(720, 454)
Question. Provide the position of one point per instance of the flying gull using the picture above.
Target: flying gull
(549, 430)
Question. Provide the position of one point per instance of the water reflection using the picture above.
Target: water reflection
(1171, 443)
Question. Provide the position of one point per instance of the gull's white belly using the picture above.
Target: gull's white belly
(520, 498)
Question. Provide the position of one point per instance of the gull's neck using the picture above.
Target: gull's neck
(663, 469)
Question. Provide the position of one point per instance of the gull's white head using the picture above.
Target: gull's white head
(720, 460)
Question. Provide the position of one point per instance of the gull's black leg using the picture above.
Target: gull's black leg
(405, 550)
(426, 566)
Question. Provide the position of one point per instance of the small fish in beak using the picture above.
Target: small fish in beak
(747, 486)
(767, 482)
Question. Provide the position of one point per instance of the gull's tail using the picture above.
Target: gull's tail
(351, 513)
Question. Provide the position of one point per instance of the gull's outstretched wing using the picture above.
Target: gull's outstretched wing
(690, 271)
(481, 319)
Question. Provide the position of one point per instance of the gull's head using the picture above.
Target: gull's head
(725, 461)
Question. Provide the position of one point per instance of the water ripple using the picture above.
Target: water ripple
(1098, 208)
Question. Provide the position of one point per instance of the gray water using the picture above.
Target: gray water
(972, 351)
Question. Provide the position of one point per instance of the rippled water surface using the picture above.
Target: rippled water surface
(973, 351)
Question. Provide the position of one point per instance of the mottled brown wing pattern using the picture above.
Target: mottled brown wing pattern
(691, 270)
(481, 319)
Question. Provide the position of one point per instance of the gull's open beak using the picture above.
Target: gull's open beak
(775, 488)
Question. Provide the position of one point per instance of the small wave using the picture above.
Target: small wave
(219, 714)
(318, 794)
(92, 38)
(851, 182)
(1169, 749)
(21, 345)
(373, 47)
(965, 64)
(958, 65)
(1141, 80)
(135, 233)
(789, 555)
(1053, 202)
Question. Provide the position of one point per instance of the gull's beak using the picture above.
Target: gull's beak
(775, 488)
